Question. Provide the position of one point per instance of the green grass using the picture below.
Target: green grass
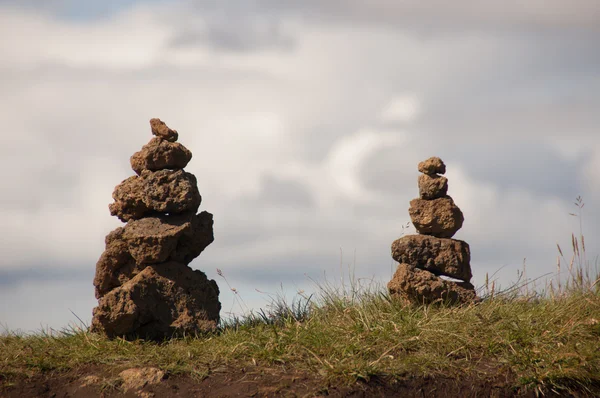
(548, 340)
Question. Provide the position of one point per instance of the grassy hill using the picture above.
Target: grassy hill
(345, 341)
(340, 343)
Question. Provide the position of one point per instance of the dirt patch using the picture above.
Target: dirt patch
(108, 381)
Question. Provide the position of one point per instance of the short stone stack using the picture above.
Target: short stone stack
(143, 283)
(425, 257)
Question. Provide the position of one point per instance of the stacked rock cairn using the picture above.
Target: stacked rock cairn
(144, 286)
(423, 258)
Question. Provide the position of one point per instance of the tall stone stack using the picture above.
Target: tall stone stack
(143, 283)
(423, 258)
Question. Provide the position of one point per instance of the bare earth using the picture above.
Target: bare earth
(109, 381)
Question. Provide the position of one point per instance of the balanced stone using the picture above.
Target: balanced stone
(438, 217)
(162, 300)
(160, 129)
(433, 165)
(143, 283)
(449, 257)
(158, 239)
(425, 258)
(115, 266)
(422, 287)
(432, 186)
(160, 154)
(163, 191)
(151, 240)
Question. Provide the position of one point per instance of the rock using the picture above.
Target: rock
(432, 186)
(418, 286)
(115, 266)
(151, 240)
(88, 381)
(180, 238)
(162, 301)
(143, 283)
(439, 256)
(138, 378)
(433, 165)
(194, 240)
(160, 129)
(437, 217)
(425, 258)
(163, 191)
(160, 154)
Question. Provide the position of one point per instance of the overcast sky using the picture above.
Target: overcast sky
(306, 121)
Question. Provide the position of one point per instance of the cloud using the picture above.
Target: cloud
(285, 193)
(402, 108)
(426, 19)
(306, 123)
(533, 166)
(348, 154)
(249, 35)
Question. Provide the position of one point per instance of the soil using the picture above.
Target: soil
(104, 381)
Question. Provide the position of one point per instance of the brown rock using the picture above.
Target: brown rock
(115, 266)
(160, 154)
(151, 240)
(162, 301)
(433, 165)
(439, 256)
(138, 378)
(143, 284)
(438, 217)
(432, 186)
(422, 287)
(160, 129)
(194, 240)
(163, 191)
(88, 381)
(180, 238)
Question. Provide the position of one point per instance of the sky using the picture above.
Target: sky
(306, 121)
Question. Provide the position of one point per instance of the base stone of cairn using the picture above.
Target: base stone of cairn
(425, 257)
(143, 283)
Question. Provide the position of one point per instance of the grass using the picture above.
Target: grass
(545, 341)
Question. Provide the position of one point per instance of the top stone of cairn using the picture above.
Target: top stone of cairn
(160, 129)
(431, 166)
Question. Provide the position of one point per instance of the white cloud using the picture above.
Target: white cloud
(131, 40)
(402, 108)
(79, 96)
(348, 154)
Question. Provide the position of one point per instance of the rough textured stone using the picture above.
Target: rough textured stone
(155, 240)
(162, 301)
(432, 186)
(449, 257)
(414, 285)
(151, 240)
(194, 240)
(138, 378)
(163, 191)
(425, 258)
(115, 266)
(160, 154)
(143, 284)
(433, 165)
(437, 217)
(160, 129)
